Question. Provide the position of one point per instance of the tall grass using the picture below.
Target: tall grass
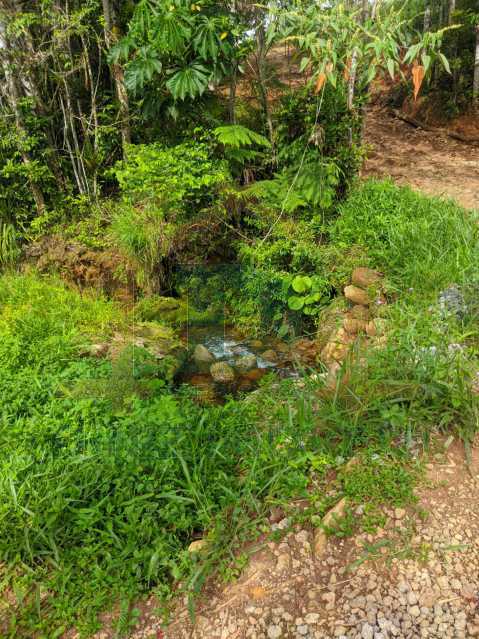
(98, 502)
(420, 242)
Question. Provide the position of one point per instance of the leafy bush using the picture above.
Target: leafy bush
(294, 247)
(322, 137)
(165, 193)
(180, 179)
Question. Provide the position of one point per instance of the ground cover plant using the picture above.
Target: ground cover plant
(159, 157)
(100, 500)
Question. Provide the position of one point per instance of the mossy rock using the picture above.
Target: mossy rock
(174, 311)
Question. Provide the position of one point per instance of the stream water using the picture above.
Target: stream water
(228, 345)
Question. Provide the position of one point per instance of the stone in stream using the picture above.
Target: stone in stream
(202, 356)
(246, 362)
(270, 356)
(222, 373)
(255, 374)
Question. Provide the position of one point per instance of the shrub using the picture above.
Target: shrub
(166, 193)
(181, 179)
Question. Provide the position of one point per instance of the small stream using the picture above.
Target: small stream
(225, 344)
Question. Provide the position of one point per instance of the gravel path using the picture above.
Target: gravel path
(416, 578)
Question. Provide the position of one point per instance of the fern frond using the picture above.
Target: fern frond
(237, 136)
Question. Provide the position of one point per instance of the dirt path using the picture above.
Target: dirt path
(435, 164)
(417, 577)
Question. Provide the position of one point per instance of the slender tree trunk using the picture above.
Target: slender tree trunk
(262, 85)
(118, 75)
(365, 10)
(352, 79)
(475, 84)
(427, 19)
(93, 120)
(452, 8)
(232, 95)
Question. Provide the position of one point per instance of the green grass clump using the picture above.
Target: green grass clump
(379, 479)
(98, 503)
(102, 492)
(418, 241)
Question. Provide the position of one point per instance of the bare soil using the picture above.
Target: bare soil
(432, 163)
(416, 577)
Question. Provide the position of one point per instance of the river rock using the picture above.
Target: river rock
(246, 362)
(270, 356)
(199, 545)
(222, 373)
(354, 326)
(335, 513)
(255, 374)
(281, 347)
(201, 355)
(365, 277)
(359, 312)
(357, 295)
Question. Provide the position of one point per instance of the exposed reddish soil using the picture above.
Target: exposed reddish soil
(427, 161)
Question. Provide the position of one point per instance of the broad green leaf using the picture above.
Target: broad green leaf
(445, 62)
(188, 82)
(295, 302)
(301, 283)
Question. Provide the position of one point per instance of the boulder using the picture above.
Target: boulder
(246, 362)
(359, 312)
(365, 277)
(357, 295)
(201, 355)
(270, 356)
(222, 373)
(354, 326)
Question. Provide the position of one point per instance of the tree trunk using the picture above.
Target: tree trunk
(452, 8)
(365, 11)
(12, 94)
(262, 85)
(118, 75)
(475, 84)
(232, 95)
(427, 19)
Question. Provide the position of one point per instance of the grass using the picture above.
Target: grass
(420, 242)
(99, 502)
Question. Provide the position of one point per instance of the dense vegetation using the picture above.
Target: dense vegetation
(159, 167)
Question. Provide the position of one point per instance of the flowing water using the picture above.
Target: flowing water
(227, 345)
